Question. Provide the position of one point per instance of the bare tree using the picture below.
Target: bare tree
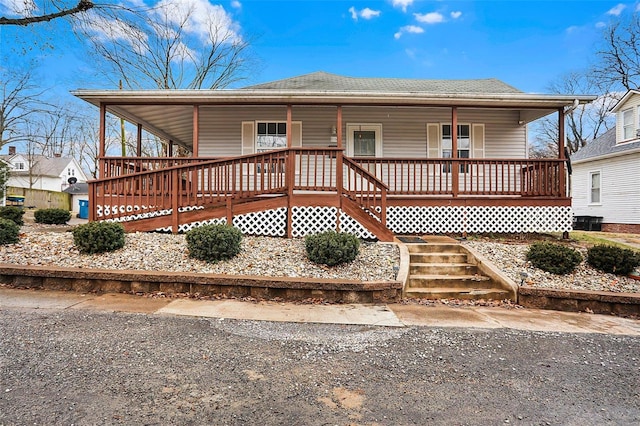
(58, 9)
(187, 45)
(19, 102)
(583, 124)
(618, 56)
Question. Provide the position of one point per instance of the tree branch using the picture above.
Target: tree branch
(82, 6)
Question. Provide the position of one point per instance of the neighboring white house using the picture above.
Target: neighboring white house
(606, 172)
(39, 172)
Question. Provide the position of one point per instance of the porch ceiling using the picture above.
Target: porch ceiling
(169, 113)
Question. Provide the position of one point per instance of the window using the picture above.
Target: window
(595, 187)
(464, 144)
(364, 143)
(628, 128)
(19, 166)
(71, 172)
(271, 135)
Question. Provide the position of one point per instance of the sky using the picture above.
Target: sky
(524, 43)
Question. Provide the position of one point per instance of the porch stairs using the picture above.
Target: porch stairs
(441, 268)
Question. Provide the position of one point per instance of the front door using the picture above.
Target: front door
(364, 140)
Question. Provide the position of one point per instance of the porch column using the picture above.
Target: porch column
(289, 135)
(455, 169)
(102, 136)
(139, 141)
(291, 174)
(561, 136)
(170, 149)
(196, 133)
(339, 166)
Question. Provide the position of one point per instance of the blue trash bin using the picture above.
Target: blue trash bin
(84, 209)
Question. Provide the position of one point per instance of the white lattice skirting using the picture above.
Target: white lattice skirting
(476, 219)
(400, 220)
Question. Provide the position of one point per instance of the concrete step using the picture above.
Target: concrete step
(454, 293)
(452, 281)
(438, 257)
(434, 248)
(442, 269)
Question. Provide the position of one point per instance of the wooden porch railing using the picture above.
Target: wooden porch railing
(170, 188)
(476, 177)
(119, 166)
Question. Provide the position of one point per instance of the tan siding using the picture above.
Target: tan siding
(404, 129)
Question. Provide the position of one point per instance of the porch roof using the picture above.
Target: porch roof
(162, 111)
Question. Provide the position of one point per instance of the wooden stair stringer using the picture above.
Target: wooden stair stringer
(365, 219)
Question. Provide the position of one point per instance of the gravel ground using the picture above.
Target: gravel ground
(276, 257)
(279, 257)
(511, 259)
(85, 368)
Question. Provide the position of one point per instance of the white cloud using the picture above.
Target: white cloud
(403, 4)
(600, 24)
(236, 4)
(429, 18)
(413, 29)
(365, 13)
(638, 8)
(572, 29)
(203, 19)
(617, 10)
(19, 7)
(456, 14)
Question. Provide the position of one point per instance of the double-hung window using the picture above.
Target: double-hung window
(464, 144)
(271, 135)
(628, 124)
(595, 184)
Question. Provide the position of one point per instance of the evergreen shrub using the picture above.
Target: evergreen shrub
(554, 258)
(332, 248)
(614, 260)
(12, 213)
(52, 216)
(9, 232)
(98, 237)
(213, 243)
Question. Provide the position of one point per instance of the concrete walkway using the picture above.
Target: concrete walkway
(392, 315)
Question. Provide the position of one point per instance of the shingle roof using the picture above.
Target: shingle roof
(43, 166)
(322, 81)
(603, 145)
(77, 188)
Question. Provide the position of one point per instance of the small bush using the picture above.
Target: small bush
(12, 213)
(332, 248)
(554, 258)
(213, 243)
(98, 237)
(9, 232)
(52, 216)
(614, 260)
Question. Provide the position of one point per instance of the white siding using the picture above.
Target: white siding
(620, 189)
(633, 102)
(404, 129)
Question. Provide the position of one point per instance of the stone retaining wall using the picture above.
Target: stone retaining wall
(598, 302)
(87, 280)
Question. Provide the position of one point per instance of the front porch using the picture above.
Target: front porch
(293, 192)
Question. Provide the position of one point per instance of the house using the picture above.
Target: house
(371, 156)
(606, 171)
(79, 193)
(40, 172)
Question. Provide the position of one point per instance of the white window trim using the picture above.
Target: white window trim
(590, 188)
(255, 136)
(377, 127)
(633, 124)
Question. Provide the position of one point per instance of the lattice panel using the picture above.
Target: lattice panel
(311, 220)
(352, 226)
(186, 227)
(138, 212)
(478, 219)
(269, 222)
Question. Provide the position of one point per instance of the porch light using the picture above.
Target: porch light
(334, 131)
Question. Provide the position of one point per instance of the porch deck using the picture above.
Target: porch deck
(152, 193)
